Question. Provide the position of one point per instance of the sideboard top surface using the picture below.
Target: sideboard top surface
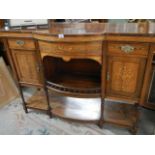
(144, 32)
(100, 28)
(92, 28)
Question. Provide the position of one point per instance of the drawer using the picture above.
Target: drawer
(72, 49)
(139, 49)
(21, 44)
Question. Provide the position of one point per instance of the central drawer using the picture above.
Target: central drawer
(137, 49)
(26, 44)
(71, 49)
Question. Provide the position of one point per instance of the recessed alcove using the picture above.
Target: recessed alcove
(75, 76)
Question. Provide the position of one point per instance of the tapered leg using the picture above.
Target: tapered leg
(48, 103)
(100, 123)
(24, 103)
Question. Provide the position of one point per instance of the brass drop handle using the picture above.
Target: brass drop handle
(62, 48)
(127, 48)
(20, 42)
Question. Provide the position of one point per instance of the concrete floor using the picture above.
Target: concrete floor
(146, 122)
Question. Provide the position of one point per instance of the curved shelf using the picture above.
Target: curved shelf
(74, 91)
(74, 85)
(86, 110)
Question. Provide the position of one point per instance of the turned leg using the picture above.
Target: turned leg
(100, 123)
(49, 112)
(23, 100)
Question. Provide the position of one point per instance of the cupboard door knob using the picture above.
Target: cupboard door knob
(108, 76)
(38, 68)
(127, 48)
(20, 42)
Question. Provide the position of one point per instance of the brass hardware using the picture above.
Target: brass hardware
(108, 76)
(62, 48)
(20, 42)
(127, 48)
(38, 68)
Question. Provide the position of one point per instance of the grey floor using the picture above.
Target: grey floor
(146, 122)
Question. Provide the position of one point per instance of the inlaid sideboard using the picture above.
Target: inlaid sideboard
(86, 60)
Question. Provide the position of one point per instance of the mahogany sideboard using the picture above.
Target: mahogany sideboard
(107, 61)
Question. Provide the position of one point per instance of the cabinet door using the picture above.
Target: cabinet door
(27, 67)
(125, 77)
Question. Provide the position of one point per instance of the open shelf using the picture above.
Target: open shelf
(37, 101)
(75, 77)
(77, 81)
(76, 85)
(85, 109)
(120, 114)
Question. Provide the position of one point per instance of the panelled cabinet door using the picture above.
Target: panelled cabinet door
(125, 77)
(27, 66)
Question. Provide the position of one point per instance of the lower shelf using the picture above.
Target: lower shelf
(120, 114)
(85, 109)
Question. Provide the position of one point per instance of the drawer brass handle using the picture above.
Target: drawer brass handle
(127, 48)
(63, 48)
(20, 42)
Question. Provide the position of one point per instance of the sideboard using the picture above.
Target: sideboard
(86, 60)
